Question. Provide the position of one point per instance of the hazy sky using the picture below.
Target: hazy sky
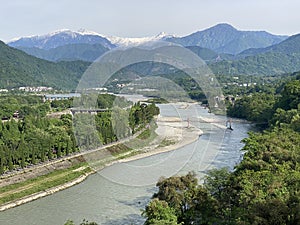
(138, 18)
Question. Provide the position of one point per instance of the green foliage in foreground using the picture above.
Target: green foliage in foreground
(264, 189)
(159, 212)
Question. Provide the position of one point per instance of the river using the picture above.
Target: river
(117, 194)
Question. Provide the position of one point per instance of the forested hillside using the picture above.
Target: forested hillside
(263, 64)
(19, 69)
(276, 59)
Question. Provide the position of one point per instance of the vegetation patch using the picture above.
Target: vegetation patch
(166, 142)
(144, 139)
(118, 149)
(157, 100)
(132, 153)
(42, 183)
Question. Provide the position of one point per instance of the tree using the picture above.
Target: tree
(159, 213)
(257, 107)
(58, 150)
(120, 123)
(290, 96)
(273, 211)
(2, 159)
(177, 192)
(33, 155)
(23, 152)
(216, 181)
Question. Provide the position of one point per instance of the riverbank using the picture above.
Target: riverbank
(41, 186)
(45, 193)
(172, 133)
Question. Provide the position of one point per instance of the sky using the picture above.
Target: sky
(139, 18)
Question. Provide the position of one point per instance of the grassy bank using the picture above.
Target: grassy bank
(19, 190)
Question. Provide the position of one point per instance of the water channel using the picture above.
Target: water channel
(117, 194)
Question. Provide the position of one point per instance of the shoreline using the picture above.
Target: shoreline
(168, 128)
(184, 136)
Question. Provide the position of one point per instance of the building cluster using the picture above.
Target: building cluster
(36, 89)
(52, 97)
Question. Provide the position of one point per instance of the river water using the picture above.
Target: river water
(117, 194)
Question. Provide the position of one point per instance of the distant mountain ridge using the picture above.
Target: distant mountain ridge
(75, 45)
(70, 52)
(283, 57)
(61, 38)
(224, 38)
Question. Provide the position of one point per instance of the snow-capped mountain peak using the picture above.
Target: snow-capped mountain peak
(67, 36)
(123, 41)
(83, 31)
(162, 35)
(61, 37)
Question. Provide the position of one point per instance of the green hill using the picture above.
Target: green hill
(288, 46)
(19, 69)
(209, 55)
(263, 64)
(277, 59)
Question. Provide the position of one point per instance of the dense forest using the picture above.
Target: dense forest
(263, 189)
(29, 135)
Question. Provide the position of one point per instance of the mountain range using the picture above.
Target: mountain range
(59, 59)
(222, 38)
(60, 38)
